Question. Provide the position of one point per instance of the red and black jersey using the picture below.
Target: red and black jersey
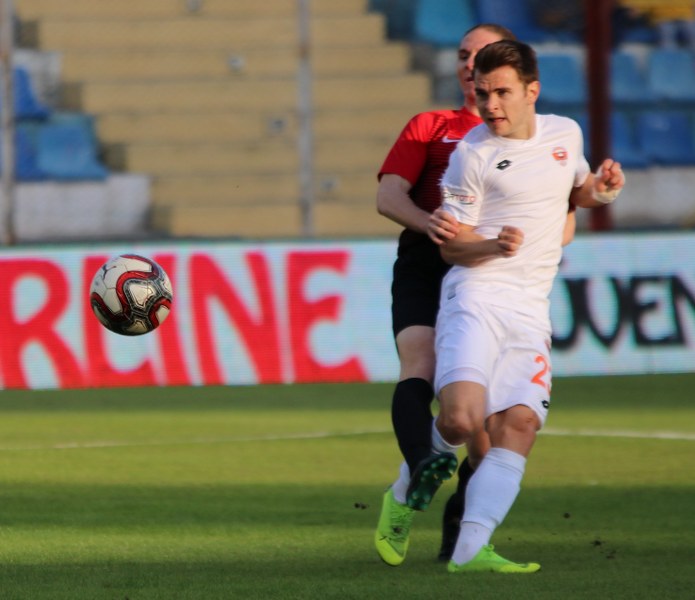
(421, 153)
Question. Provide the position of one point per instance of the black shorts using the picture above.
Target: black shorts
(417, 278)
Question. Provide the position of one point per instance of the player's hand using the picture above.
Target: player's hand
(609, 177)
(442, 226)
(509, 240)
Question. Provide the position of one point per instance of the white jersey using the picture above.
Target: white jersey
(493, 181)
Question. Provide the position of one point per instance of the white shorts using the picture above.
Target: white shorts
(505, 351)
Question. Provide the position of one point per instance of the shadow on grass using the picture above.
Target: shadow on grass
(566, 508)
(316, 542)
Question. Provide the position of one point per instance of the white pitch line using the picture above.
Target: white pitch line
(194, 441)
(652, 435)
(649, 435)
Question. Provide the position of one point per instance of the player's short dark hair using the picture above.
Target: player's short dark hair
(508, 53)
(500, 30)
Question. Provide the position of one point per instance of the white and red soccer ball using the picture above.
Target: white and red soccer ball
(131, 294)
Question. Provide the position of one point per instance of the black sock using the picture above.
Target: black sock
(465, 472)
(411, 415)
(453, 510)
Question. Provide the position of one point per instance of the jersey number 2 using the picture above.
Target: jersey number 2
(538, 378)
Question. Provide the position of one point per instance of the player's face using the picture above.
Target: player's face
(506, 104)
(468, 48)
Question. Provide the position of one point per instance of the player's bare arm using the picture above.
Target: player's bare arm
(570, 227)
(600, 188)
(394, 202)
(470, 249)
(442, 226)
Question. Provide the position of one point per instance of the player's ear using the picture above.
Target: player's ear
(533, 90)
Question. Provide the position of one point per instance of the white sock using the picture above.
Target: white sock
(490, 494)
(439, 444)
(400, 487)
(472, 538)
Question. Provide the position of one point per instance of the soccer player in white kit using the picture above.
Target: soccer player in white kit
(507, 184)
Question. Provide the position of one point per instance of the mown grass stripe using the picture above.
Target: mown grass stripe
(97, 444)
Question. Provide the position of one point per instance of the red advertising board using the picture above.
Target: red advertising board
(247, 313)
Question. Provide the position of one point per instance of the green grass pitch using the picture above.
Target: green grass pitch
(274, 491)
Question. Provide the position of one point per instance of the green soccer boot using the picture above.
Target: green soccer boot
(393, 530)
(428, 477)
(487, 560)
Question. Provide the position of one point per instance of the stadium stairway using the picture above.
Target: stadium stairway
(202, 95)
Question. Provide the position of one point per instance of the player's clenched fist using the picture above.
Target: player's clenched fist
(442, 226)
(509, 240)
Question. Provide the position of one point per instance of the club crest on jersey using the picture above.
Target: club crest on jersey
(503, 164)
(560, 155)
(458, 198)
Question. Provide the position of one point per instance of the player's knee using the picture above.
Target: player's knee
(457, 427)
(516, 426)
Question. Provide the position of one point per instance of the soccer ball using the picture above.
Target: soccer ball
(131, 295)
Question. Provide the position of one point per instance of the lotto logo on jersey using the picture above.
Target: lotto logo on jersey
(560, 155)
(450, 196)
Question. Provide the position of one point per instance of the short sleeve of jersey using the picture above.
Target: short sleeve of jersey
(583, 168)
(462, 185)
(408, 155)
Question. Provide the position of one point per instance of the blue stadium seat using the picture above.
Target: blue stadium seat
(632, 28)
(671, 75)
(628, 80)
(26, 160)
(378, 5)
(442, 23)
(563, 85)
(666, 137)
(638, 34)
(80, 119)
(625, 147)
(26, 105)
(400, 17)
(26, 167)
(68, 151)
(515, 15)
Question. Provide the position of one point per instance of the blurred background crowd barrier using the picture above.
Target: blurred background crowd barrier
(186, 118)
